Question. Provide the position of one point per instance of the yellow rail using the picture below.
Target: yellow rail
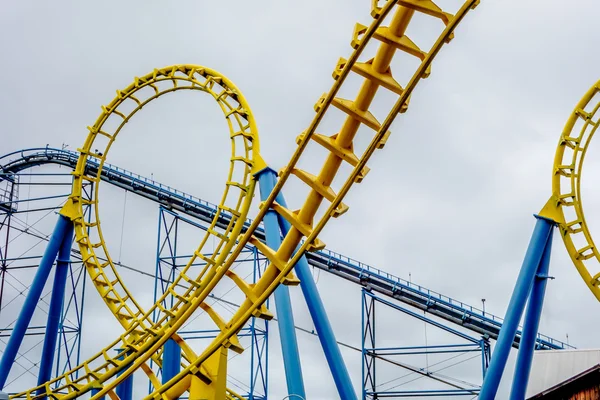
(205, 375)
(565, 206)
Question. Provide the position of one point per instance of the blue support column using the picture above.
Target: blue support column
(125, 389)
(56, 306)
(171, 363)
(318, 314)
(285, 318)
(530, 327)
(33, 297)
(96, 391)
(518, 300)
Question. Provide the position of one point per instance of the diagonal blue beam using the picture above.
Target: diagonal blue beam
(531, 325)
(334, 358)
(33, 297)
(56, 306)
(516, 306)
(285, 317)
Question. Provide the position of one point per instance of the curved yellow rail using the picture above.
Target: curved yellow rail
(235, 201)
(565, 207)
(205, 376)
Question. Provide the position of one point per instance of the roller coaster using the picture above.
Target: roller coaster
(287, 238)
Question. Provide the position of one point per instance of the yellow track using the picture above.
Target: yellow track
(205, 375)
(565, 206)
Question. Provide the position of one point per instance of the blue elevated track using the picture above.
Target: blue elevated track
(355, 271)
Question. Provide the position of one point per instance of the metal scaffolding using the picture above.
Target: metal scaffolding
(372, 388)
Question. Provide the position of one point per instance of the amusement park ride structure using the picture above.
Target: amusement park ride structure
(287, 239)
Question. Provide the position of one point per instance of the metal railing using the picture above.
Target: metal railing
(37, 156)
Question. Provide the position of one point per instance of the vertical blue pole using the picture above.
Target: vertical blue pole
(33, 297)
(362, 342)
(171, 363)
(285, 316)
(56, 306)
(253, 341)
(125, 389)
(530, 328)
(537, 244)
(318, 314)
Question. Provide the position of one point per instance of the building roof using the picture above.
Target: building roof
(572, 385)
(552, 369)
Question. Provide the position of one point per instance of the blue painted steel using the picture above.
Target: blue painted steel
(56, 306)
(516, 306)
(530, 328)
(371, 352)
(96, 391)
(171, 364)
(422, 318)
(285, 317)
(125, 389)
(327, 260)
(259, 358)
(33, 296)
(318, 314)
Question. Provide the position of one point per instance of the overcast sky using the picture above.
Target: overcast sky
(448, 201)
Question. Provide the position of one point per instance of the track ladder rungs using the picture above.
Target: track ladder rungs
(238, 185)
(125, 315)
(191, 281)
(230, 210)
(178, 296)
(570, 142)
(201, 256)
(584, 115)
(247, 135)
(585, 253)
(367, 71)
(346, 154)
(427, 7)
(165, 310)
(114, 299)
(566, 170)
(274, 259)
(325, 191)
(90, 154)
(247, 289)
(567, 199)
(292, 218)
(233, 342)
(364, 117)
(574, 227)
(102, 282)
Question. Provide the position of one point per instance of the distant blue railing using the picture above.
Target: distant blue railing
(361, 268)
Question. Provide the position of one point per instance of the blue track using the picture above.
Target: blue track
(375, 279)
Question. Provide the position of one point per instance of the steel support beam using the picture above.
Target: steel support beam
(338, 369)
(531, 325)
(171, 363)
(56, 307)
(537, 245)
(125, 389)
(33, 297)
(285, 317)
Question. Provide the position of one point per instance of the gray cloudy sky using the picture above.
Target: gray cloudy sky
(449, 200)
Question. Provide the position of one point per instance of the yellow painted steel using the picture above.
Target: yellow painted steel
(205, 375)
(235, 202)
(565, 206)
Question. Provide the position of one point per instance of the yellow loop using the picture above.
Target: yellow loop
(235, 203)
(245, 147)
(145, 339)
(565, 206)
